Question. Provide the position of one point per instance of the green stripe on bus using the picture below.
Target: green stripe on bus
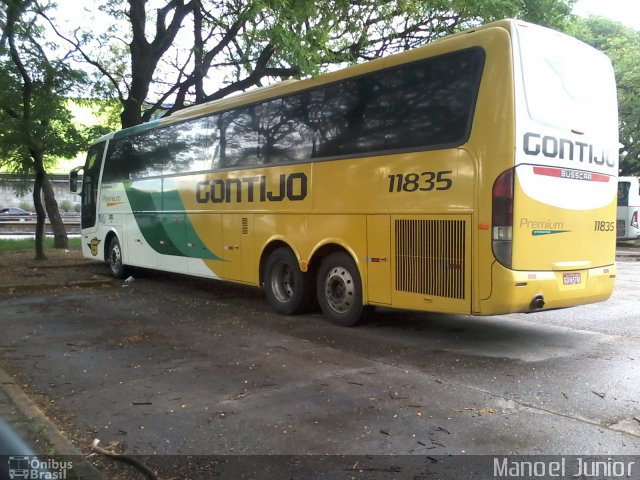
(537, 233)
(167, 232)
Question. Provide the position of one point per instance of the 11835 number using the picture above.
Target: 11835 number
(420, 182)
(601, 226)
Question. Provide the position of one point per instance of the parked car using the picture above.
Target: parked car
(8, 214)
(14, 211)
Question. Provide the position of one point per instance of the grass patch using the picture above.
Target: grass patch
(17, 245)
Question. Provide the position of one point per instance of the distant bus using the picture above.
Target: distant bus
(628, 208)
(475, 175)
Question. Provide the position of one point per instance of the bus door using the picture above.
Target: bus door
(378, 259)
(89, 201)
(141, 232)
(233, 226)
(89, 198)
(172, 228)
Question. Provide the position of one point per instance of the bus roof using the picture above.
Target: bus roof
(287, 87)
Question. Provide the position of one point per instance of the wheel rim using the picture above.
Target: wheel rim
(116, 258)
(282, 284)
(339, 289)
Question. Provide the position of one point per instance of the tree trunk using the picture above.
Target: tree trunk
(41, 216)
(131, 114)
(60, 239)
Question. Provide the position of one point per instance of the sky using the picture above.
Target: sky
(625, 11)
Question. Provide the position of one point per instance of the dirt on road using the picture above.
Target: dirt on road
(20, 272)
(192, 374)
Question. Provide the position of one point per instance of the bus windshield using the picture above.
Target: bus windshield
(567, 85)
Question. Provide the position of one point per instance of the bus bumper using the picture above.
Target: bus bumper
(519, 291)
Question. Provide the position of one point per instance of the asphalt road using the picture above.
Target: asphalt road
(175, 366)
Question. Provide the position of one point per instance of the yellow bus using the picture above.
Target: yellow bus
(475, 175)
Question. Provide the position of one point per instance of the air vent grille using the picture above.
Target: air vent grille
(430, 257)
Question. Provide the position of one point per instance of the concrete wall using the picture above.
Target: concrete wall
(9, 197)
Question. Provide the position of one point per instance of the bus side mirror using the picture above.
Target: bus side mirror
(74, 186)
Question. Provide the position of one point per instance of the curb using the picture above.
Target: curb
(50, 431)
(30, 287)
(629, 256)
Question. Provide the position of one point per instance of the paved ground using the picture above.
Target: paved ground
(175, 366)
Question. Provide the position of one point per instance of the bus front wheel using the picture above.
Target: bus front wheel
(339, 290)
(288, 289)
(117, 268)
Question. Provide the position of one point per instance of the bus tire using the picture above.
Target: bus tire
(288, 289)
(339, 290)
(114, 259)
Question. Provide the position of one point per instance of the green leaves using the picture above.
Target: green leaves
(226, 46)
(622, 45)
(36, 79)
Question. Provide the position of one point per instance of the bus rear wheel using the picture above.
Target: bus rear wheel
(117, 268)
(288, 289)
(339, 290)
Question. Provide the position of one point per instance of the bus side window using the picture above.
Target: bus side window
(355, 117)
(187, 147)
(212, 146)
(214, 156)
(239, 138)
(120, 161)
(623, 194)
(284, 134)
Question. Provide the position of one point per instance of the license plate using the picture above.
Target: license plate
(571, 278)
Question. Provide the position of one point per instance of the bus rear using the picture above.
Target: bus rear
(554, 213)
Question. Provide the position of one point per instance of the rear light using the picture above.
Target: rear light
(502, 218)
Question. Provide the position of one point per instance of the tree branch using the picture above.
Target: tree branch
(85, 56)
